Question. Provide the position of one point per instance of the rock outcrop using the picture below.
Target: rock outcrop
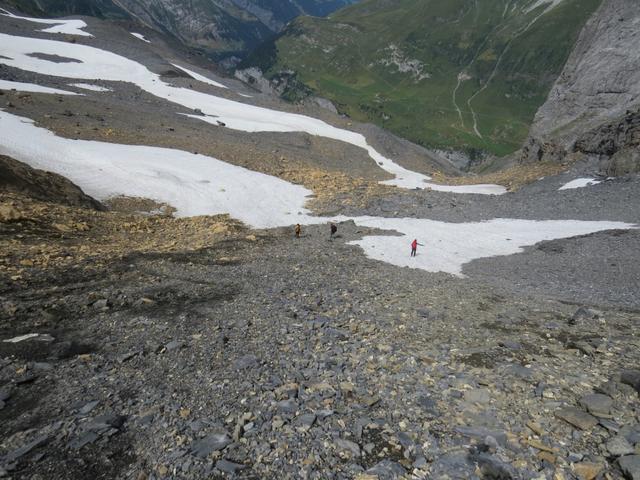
(18, 177)
(599, 85)
(617, 144)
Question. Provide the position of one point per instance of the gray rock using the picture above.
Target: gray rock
(582, 314)
(453, 465)
(578, 418)
(582, 346)
(307, 420)
(428, 405)
(632, 378)
(630, 465)
(5, 394)
(83, 439)
(609, 425)
(174, 345)
(608, 388)
(387, 470)
(631, 433)
(405, 440)
(619, 446)
(26, 378)
(597, 404)
(229, 467)
(574, 457)
(322, 414)
(247, 361)
(106, 421)
(510, 345)
(88, 407)
(520, 371)
(127, 356)
(478, 395)
(102, 304)
(480, 433)
(335, 333)
(287, 406)
(493, 468)
(42, 366)
(347, 445)
(420, 462)
(22, 451)
(209, 444)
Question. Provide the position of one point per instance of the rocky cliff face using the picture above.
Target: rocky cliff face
(224, 26)
(599, 89)
(616, 144)
(218, 26)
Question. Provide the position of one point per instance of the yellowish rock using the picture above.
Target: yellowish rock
(540, 446)
(547, 457)
(9, 213)
(587, 470)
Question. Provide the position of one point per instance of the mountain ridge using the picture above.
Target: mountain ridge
(221, 28)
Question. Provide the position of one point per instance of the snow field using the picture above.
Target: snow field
(31, 87)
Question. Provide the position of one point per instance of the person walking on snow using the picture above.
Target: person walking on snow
(414, 247)
(298, 229)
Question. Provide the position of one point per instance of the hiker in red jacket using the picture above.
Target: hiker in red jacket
(414, 247)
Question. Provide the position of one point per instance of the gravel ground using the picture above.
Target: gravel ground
(276, 357)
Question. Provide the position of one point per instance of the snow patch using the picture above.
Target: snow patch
(139, 36)
(193, 184)
(448, 246)
(89, 86)
(579, 183)
(31, 87)
(68, 27)
(199, 77)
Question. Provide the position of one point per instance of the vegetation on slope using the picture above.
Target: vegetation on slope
(464, 74)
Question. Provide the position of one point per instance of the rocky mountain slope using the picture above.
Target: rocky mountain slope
(593, 107)
(220, 27)
(458, 74)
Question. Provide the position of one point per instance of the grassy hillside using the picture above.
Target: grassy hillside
(466, 74)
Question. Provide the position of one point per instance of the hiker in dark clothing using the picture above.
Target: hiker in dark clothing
(334, 229)
(298, 230)
(414, 247)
